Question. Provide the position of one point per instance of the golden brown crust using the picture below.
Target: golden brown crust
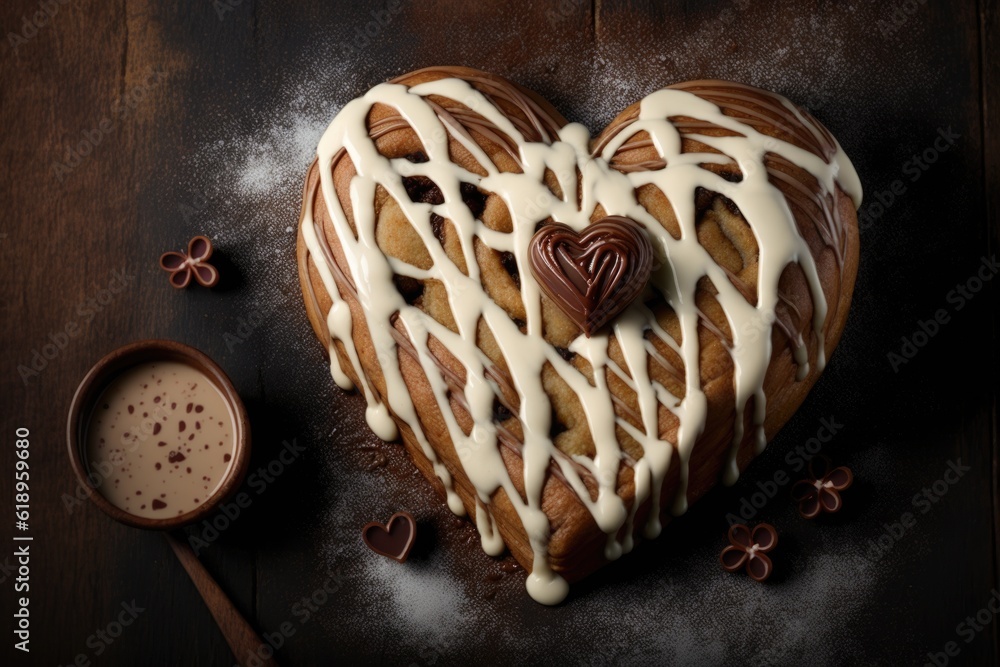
(577, 544)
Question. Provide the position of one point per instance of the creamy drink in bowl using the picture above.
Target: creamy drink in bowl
(158, 438)
(157, 435)
(162, 437)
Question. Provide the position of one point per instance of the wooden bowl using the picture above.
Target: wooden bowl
(98, 379)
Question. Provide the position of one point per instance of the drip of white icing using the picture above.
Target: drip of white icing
(683, 263)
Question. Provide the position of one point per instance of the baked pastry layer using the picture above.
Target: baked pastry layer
(413, 262)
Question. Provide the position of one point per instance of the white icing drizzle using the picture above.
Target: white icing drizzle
(368, 273)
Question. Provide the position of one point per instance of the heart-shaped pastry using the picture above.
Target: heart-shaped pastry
(415, 248)
(594, 275)
(395, 539)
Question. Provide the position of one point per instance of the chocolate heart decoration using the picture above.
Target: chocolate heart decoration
(593, 275)
(394, 539)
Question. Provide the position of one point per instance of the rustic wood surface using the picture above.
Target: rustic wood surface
(130, 127)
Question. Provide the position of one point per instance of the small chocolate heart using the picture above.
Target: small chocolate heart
(394, 539)
(592, 275)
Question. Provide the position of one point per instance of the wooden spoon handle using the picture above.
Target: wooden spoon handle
(242, 639)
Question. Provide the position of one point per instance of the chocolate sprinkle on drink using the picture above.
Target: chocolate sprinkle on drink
(144, 466)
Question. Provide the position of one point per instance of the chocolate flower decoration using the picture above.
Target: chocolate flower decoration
(821, 491)
(748, 548)
(182, 266)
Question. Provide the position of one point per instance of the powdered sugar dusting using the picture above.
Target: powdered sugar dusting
(425, 598)
(683, 610)
(702, 615)
(421, 599)
(280, 158)
(251, 169)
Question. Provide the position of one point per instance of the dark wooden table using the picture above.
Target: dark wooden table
(130, 127)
